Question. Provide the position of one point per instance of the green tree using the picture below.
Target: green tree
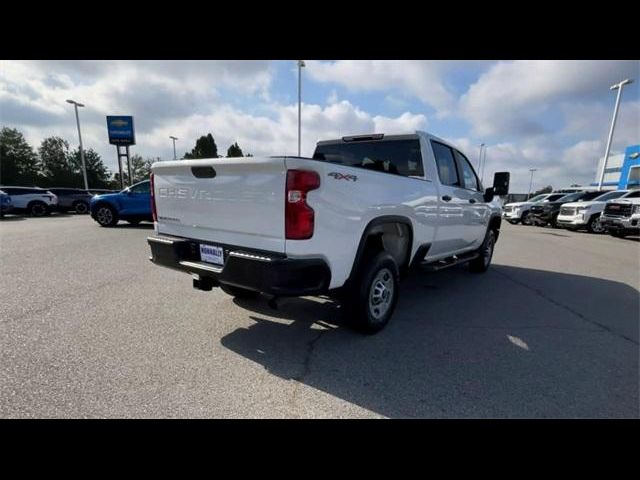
(234, 151)
(205, 148)
(97, 172)
(140, 170)
(54, 163)
(18, 161)
(141, 167)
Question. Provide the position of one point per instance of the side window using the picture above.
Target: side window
(635, 194)
(469, 178)
(141, 188)
(446, 164)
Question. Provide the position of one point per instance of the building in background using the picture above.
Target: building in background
(623, 170)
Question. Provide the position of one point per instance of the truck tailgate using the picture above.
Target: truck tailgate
(233, 201)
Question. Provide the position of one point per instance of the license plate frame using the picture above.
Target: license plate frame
(212, 254)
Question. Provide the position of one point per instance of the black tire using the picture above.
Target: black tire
(617, 233)
(482, 263)
(38, 209)
(239, 292)
(370, 303)
(106, 216)
(81, 207)
(554, 221)
(525, 218)
(594, 225)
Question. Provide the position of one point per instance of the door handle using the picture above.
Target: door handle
(472, 200)
(446, 198)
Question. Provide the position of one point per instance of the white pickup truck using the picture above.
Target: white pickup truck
(345, 223)
(622, 217)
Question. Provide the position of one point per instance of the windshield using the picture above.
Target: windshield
(572, 197)
(538, 198)
(609, 196)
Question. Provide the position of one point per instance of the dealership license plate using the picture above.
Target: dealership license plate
(212, 254)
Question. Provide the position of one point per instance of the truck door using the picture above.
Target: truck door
(453, 201)
(476, 212)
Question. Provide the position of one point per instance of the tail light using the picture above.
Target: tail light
(153, 202)
(299, 217)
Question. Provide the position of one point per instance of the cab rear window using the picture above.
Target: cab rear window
(398, 157)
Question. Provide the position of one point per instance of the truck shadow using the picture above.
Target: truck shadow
(514, 342)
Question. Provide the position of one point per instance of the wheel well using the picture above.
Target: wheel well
(494, 224)
(33, 202)
(391, 234)
(103, 204)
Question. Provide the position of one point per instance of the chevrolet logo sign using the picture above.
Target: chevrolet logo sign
(119, 123)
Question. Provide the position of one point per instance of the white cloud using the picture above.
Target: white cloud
(511, 98)
(424, 79)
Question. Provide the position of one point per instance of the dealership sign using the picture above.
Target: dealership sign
(121, 130)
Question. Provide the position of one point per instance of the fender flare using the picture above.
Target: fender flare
(367, 232)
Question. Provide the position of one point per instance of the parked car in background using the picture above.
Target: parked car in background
(5, 203)
(546, 213)
(72, 199)
(35, 201)
(621, 217)
(518, 212)
(586, 213)
(133, 204)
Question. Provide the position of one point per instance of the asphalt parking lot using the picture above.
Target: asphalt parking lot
(90, 328)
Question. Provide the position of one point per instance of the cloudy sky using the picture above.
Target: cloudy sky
(550, 115)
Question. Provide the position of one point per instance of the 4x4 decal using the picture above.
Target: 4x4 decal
(342, 176)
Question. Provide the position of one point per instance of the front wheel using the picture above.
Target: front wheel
(372, 301)
(482, 262)
(526, 220)
(594, 225)
(106, 216)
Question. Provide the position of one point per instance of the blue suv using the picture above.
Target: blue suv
(132, 204)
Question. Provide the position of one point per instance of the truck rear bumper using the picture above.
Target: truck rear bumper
(266, 272)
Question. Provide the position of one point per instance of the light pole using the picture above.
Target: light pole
(484, 163)
(174, 146)
(617, 86)
(84, 167)
(480, 156)
(300, 65)
(531, 181)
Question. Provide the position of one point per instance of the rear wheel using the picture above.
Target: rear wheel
(38, 209)
(238, 292)
(371, 301)
(106, 216)
(81, 207)
(481, 264)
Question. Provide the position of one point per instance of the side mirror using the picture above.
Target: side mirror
(500, 186)
(501, 183)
